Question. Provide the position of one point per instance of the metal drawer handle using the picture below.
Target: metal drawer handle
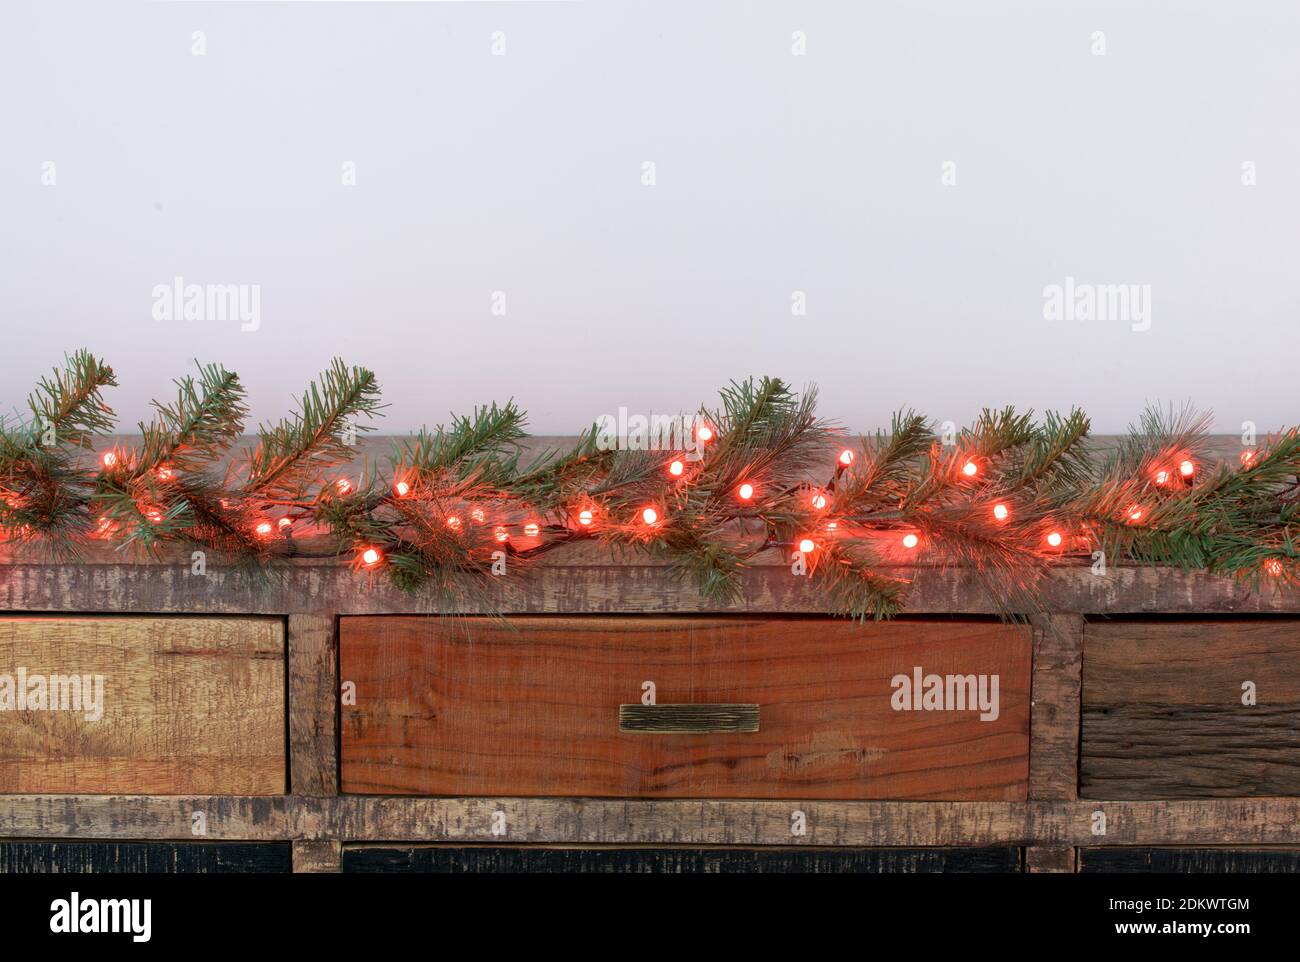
(687, 719)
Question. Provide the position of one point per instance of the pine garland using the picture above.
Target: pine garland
(456, 507)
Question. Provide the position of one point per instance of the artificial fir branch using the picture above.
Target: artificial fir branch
(460, 506)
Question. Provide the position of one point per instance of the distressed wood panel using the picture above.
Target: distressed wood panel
(594, 821)
(607, 584)
(1190, 860)
(1051, 859)
(189, 705)
(313, 705)
(1163, 714)
(687, 719)
(148, 858)
(530, 707)
(485, 860)
(317, 856)
(1054, 714)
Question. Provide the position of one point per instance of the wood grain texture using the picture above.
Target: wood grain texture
(1190, 860)
(317, 856)
(691, 719)
(1054, 713)
(190, 705)
(1163, 714)
(1050, 859)
(530, 707)
(487, 860)
(590, 581)
(147, 858)
(313, 705)
(594, 821)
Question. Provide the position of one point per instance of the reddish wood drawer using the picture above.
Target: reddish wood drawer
(1190, 708)
(105, 704)
(532, 707)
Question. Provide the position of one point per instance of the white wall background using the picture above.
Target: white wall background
(776, 173)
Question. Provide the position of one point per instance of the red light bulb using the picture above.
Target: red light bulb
(910, 541)
(401, 489)
(585, 517)
(343, 486)
(501, 534)
(970, 469)
(371, 557)
(846, 457)
(650, 516)
(1001, 512)
(264, 529)
(819, 501)
(1054, 539)
(453, 522)
(108, 459)
(704, 433)
(531, 529)
(745, 491)
(676, 469)
(807, 546)
(1187, 468)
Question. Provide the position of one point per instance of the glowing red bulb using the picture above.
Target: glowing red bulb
(1273, 566)
(343, 486)
(284, 523)
(1001, 512)
(846, 457)
(676, 469)
(1135, 513)
(402, 489)
(970, 469)
(704, 433)
(477, 515)
(832, 525)
(164, 473)
(585, 517)
(264, 529)
(108, 459)
(154, 515)
(1054, 539)
(531, 529)
(453, 522)
(650, 516)
(745, 491)
(501, 534)
(1162, 477)
(807, 545)
(910, 541)
(371, 557)
(819, 501)
(1187, 468)
(1248, 458)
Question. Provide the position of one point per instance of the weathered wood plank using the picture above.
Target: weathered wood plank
(1163, 712)
(1054, 717)
(180, 817)
(313, 705)
(1052, 859)
(185, 705)
(484, 860)
(148, 858)
(317, 856)
(530, 707)
(613, 585)
(1190, 860)
(1234, 822)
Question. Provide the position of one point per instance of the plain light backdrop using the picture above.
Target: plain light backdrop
(775, 173)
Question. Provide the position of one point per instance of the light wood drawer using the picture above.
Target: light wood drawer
(1165, 712)
(142, 705)
(533, 707)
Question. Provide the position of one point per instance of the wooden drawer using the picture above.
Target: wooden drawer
(1233, 860)
(486, 860)
(190, 705)
(532, 707)
(1163, 713)
(149, 858)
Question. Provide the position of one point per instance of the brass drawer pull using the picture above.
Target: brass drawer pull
(687, 719)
